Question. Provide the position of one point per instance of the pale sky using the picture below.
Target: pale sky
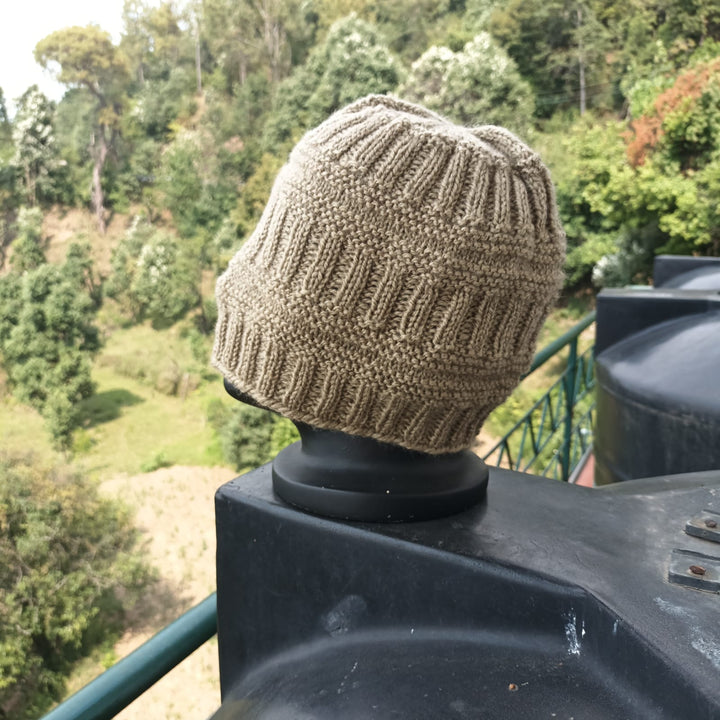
(25, 22)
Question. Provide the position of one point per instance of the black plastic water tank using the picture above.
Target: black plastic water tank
(549, 601)
(703, 278)
(688, 273)
(659, 401)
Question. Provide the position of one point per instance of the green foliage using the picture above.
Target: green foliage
(652, 189)
(243, 113)
(226, 241)
(409, 26)
(5, 128)
(27, 251)
(250, 204)
(157, 39)
(479, 85)
(47, 338)
(151, 275)
(135, 181)
(246, 436)
(249, 436)
(503, 419)
(159, 102)
(284, 433)
(249, 37)
(87, 59)
(352, 62)
(67, 557)
(35, 147)
(157, 461)
(556, 44)
(689, 23)
(593, 154)
(199, 182)
(78, 269)
(74, 123)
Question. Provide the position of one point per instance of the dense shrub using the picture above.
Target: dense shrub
(69, 566)
(249, 436)
(480, 85)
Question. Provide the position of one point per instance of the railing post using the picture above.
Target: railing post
(569, 383)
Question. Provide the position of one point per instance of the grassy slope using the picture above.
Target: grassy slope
(131, 425)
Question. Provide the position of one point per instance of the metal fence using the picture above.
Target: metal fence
(554, 434)
(549, 439)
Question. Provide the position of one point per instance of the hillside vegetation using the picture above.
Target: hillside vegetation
(120, 205)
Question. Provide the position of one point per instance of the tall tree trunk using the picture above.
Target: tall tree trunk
(581, 63)
(97, 197)
(273, 36)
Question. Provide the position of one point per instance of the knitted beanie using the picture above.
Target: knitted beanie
(397, 280)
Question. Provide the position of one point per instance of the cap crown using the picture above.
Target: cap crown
(397, 279)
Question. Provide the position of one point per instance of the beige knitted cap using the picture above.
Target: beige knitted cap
(397, 280)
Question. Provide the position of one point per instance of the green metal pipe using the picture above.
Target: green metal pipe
(548, 351)
(570, 387)
(117, 687)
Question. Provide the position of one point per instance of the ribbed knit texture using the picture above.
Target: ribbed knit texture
(397, 280)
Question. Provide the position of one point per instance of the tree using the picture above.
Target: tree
(352, 62)
(135, 41)
(27, 252)
(231, 37)
(69, 566)
(8, 177)
(74, 125)
(687, 24)
(559, 46)
(172, 44)
(479, 85)
(87, 58)
(34, 141)
(5, 128)
(79, 270)
(152, 276)
(253, 35)
(593, 154)
(47, 338)
(250, 436)
(408, 26)
(159, 102)
(634, 192)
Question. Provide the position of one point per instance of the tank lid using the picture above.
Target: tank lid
(672, 365)
(702, 278)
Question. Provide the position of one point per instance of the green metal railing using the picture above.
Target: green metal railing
(129, 678)
(553, 433)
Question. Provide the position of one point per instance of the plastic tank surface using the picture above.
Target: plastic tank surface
(702, 278)
(548, 600)
(686, 272)
(658, 401)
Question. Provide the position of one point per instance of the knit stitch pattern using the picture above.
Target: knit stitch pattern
(397, 280)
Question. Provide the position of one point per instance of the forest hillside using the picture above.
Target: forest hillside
(121, 203)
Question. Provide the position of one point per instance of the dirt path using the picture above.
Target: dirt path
(175, 513)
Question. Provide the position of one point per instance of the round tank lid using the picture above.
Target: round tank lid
(702, 278)
(673, 366)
